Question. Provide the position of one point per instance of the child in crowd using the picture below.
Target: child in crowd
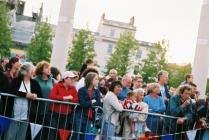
(131, 103)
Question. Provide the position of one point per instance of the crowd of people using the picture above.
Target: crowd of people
(125, 100)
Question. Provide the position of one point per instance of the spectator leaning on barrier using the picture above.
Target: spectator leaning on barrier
(180, 105)
(44, 78)
(27, 88)
(46, 82)
(156, 105)
(60, 114)
(202, 119)
(89, 96)
(126, 82)
(140, 119)
(130, 103)
(112, 107)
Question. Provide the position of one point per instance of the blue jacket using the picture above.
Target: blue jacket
(174, 109)
(85, 101)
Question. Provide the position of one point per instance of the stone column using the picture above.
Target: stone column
(63, 35)
(201, 60)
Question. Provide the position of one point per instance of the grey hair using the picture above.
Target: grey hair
(139, 90)
(126, 76)
(26, 67)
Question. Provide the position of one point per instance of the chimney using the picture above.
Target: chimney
(132, 21)
(103, 16)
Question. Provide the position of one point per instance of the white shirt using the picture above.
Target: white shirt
(20, 109)
(112, 104)
(162, 90)
(80, 84)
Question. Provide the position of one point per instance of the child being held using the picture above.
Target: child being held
(132, 104)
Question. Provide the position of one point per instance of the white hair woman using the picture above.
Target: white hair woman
(141, 118)
(27, 88)
(156, 105)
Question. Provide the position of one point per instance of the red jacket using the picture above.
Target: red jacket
(57, 93)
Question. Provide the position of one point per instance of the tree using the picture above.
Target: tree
(41, 44)
(155, 61)
(5, 31)
(120, 59)
(177, 73)
(82, 49)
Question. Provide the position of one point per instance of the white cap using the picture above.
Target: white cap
(68, 74)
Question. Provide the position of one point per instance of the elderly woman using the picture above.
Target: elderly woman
(24, 108)
(140, 119)
(156, 105)
(112, 107)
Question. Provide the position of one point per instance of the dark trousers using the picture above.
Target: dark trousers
(58, 121)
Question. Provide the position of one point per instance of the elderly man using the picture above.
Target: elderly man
(113, 76)
(126, 82)
(163, 81)
(180, 106)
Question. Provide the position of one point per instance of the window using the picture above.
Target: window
(112, 32)
(138, 54)
(109, 48)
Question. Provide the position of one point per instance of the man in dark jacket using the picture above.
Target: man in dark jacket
(180, 106)
(163, 81)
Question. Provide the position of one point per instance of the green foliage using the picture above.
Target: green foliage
(5, 31)
(155, 62)
(207, 88)
(177, 73)
(82, 49)
(41, 44)
(120, 59)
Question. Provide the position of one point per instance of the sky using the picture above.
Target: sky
(174, 20)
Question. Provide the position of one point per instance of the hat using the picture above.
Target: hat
(68, 74)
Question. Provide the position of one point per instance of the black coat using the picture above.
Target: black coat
(14, 89)
(166, 92)
(4, 83)
(4, 87)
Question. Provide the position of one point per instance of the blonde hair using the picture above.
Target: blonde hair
(152, 86)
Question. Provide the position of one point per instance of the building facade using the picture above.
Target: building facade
(108, 34)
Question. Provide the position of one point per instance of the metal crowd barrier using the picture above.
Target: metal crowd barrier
(153, 126)
(47, 119)
(45, 124)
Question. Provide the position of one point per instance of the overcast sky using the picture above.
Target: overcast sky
(174, 20)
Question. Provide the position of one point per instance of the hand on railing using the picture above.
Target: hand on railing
(180, 120)
(31, 96)
(67, 98)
